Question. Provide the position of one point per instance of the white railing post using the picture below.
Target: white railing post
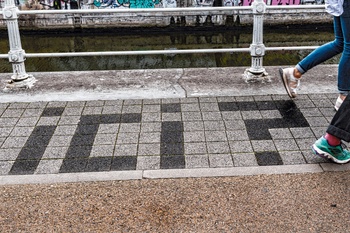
(16, 55)
(257, 48)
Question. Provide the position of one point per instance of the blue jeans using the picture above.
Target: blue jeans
(341, 44)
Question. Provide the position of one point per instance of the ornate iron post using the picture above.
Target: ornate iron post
(257, 48)
(16, 55)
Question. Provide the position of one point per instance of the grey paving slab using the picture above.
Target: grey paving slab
(73, 111)
(292, 157)
(197, 161)
(220, 160)
(281, 133)
(7, 122)
(20, 131)
(241, 146)
(14, 142)
(195, 148)
(149, 149)
(194, 136)
(151, 117)
(9, 154)
(251, 115)
(51, 166)
(304, 132)
(311, 158)
(5, 167)
(126, 150)
(171, 116)
(286, 145)
(5, 131)
(148, 162)
(125, 138)
(263, 145)
(105, 138)
(102, 151)
(92, 110)
(218, 147)
(69, 120)
(17, 112)
(28, 121)
(244, 160)
(55, 152)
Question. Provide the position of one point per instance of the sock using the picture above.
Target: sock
(332, 140)
(294, 71)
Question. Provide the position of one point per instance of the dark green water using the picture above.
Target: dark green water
(153, 40)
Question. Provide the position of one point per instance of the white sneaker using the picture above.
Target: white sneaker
(338, 103)
(291, 83)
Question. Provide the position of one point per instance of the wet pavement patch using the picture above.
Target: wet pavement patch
(268, 158)
(53, 111)
(30, 155)
(258, 129)
(211, 141)
(124, 163)
(83, 140)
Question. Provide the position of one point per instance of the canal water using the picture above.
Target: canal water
(146, 39)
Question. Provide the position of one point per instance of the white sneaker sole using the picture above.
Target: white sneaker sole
(285, 84)
(338, 103)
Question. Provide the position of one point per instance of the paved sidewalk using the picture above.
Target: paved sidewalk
(184, 123)
(193, 123)
(157, 138)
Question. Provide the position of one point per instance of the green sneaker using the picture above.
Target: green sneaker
(336, 153)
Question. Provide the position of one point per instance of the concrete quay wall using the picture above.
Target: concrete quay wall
(182, 19)
(162, 83)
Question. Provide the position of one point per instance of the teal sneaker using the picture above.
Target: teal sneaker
(336, 153)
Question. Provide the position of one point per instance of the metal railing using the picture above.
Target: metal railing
(257, 48)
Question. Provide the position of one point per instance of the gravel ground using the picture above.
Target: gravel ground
(318, 202)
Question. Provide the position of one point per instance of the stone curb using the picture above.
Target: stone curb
(171, 174)
(234, 171)
(70, 177)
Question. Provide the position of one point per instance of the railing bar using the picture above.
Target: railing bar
(150, 52)
(155, 52)
(291, 48)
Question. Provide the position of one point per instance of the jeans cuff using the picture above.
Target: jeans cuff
(301, 70)
(344, 92)
(339, 133)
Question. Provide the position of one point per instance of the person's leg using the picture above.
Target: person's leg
(329, 146)
(324, 52)
(340, 124)
(291, 76)
(344, 67)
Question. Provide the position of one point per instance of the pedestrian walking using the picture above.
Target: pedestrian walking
(340, 9)
(330, 145)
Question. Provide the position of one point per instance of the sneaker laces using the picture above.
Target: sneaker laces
(294, 83)
(343, 146)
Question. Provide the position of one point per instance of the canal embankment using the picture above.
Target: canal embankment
(70, 20)
(162, 83)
